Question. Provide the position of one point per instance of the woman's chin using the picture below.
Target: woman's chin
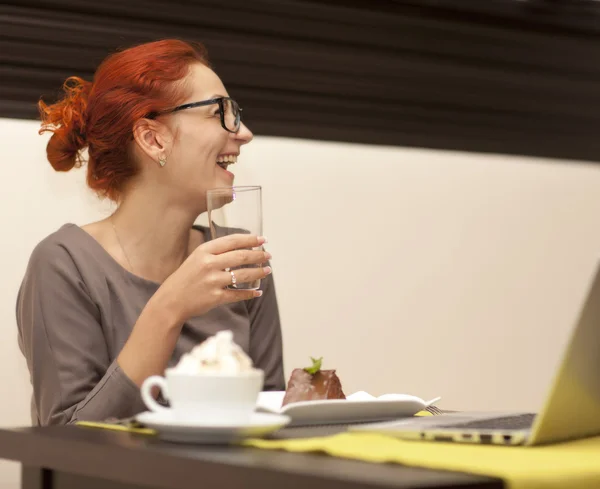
(224, 177)
(225, 180)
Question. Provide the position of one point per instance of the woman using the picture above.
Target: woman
(106, 305)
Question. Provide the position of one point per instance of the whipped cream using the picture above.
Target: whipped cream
(219, 354)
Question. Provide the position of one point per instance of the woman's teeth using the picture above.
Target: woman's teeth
(226, 160)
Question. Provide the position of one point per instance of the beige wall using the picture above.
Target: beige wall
(416, 271)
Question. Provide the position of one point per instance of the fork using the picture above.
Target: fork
(434, 410)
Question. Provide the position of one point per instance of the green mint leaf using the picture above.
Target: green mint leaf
(315, 367)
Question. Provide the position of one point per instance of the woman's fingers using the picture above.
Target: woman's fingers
(238, 258)
(232, 242)
(228, 296)
(244, 275)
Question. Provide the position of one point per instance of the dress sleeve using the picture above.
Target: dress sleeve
(63, 340)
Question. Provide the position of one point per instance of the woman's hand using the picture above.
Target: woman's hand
(199, 284)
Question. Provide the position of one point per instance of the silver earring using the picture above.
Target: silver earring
(162, 161)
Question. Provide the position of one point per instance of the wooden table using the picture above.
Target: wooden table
(69, 457)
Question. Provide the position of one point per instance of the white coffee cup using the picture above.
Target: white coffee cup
(211, 398)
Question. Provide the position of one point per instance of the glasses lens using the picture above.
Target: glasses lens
(231, 115)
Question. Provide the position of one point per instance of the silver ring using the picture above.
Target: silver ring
(233, 279)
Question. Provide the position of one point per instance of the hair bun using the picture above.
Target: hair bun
(66, 120)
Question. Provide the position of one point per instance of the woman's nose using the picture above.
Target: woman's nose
(244, 135)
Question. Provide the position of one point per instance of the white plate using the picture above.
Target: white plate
(172, 428)
(359, 407)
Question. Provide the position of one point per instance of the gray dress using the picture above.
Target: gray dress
(75, 310)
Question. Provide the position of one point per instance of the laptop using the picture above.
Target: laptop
(571, 409)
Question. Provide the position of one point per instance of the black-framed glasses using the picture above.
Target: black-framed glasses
(229, 110)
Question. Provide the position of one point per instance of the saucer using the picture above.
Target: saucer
(174, 428)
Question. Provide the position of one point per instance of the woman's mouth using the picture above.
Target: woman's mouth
(223, 161)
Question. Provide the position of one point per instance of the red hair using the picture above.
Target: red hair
(128, 85)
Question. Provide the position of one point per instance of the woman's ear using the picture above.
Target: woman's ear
(153, 139)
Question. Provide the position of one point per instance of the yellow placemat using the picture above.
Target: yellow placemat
(130, 428)
(423, 413)
(571, 465)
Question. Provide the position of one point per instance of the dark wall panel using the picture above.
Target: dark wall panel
(505, 76)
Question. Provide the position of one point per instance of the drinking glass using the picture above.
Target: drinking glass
(235, 210)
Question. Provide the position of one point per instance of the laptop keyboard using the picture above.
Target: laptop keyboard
(518, 422)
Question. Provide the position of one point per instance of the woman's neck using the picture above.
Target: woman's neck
(155, 236)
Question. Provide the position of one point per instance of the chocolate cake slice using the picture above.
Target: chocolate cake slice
(312, 384)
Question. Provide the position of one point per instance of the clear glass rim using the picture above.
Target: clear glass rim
(240, 188)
